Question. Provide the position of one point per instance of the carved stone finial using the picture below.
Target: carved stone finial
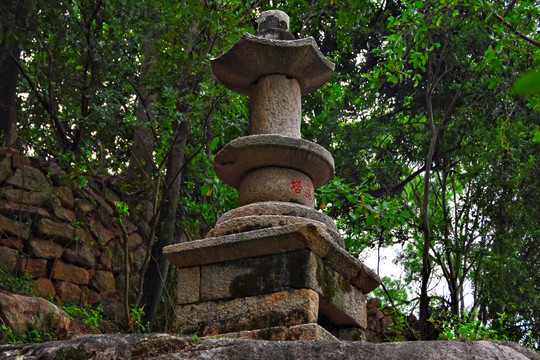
(273, 19)
(274, 24)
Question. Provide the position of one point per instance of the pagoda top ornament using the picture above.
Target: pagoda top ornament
(272, 50)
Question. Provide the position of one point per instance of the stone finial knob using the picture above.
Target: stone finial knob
(274, 24)
(273, 19)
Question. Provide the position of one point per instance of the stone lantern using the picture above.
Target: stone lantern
(274, 268)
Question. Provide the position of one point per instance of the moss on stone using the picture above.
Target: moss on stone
(78, 353)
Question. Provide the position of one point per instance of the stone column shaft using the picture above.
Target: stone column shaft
(276, 106)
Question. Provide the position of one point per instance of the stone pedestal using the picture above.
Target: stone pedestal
(274, 278)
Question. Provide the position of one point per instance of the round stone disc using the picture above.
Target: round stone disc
(257, 222)
(278, 208)
(256, 151)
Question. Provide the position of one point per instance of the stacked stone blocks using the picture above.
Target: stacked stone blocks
(64, 236)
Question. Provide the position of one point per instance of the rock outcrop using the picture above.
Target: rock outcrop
(164, 346)
(21, 313)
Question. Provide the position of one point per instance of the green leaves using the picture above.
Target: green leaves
(528, 84)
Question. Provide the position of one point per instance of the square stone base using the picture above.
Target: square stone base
(246, 286)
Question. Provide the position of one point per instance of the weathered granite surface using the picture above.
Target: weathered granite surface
(276, 184)
(20, 313)
(166, 346)
(339, 304)
(252, 57)
(285, 308)
(257, 151)
(278, 208)
(274, 241)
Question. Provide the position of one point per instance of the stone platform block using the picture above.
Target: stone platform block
(340, 302)
(285, 308)
(229, 283)
(188, 286)
(274, 241)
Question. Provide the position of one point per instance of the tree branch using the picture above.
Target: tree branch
(62, 136)
(515, 31)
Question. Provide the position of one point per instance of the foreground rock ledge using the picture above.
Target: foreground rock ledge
(165, 346)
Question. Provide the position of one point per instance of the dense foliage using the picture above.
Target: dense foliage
(434, 150)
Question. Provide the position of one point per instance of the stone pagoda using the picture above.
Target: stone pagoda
(274, 268)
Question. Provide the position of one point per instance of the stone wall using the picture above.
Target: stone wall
(65, 236)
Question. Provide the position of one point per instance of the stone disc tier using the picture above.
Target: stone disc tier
(277, 208)
(268, 214)
(247, 153)
(258, 222)
(253, 57)
(268, 167)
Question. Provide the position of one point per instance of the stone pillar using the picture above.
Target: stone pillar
(274, 268)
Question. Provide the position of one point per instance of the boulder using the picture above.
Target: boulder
(135, 240)
(82, 207)
(61, 233)
(8, 259)
(58, 175)
(64, 214)
(69, 292)
(12, 242)
(104, 282)
(33, 267)
(9, 208)
(22, 196)
(65, 195)
(82, 255)
(18, 160)
(23, 313)
(166, 346)
(5, 167)
(44, 287)
(103, 234)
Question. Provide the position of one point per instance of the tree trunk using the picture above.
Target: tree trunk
(141, 160)
(12, 15)
(426, 263)
(8, 95)
(156, 274)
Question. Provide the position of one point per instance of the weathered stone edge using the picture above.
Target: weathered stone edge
(231, 71)
(274, 241)
(255, 151)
